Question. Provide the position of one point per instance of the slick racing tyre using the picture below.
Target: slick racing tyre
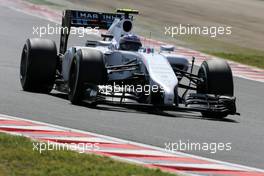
(218, 80)
(87, 69)
(38, 65)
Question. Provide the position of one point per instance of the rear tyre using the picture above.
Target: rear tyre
(87, 69)
(218, 80)
(38, 65)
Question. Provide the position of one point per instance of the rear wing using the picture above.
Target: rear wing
(76, 18)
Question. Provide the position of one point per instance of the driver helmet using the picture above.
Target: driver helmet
(130, 42)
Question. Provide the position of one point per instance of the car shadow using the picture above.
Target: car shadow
(145, 110)
(155, 111)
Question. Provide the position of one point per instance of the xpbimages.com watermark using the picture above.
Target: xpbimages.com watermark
(184, 146)
(211, 31)
(51, 146)
(116, 88)
(41, 31)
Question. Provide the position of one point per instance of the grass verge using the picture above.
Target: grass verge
(45, 2)
(18, 158)
(230, 51)
(248, 59)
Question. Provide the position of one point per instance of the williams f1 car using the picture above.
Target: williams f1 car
(118, 69)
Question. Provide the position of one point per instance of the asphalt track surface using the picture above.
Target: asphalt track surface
(245, 132)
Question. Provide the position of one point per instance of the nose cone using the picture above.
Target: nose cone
(162, 74)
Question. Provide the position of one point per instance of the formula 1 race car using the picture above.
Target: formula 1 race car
(119, 70)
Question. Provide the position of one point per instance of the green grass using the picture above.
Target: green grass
(225, 50)
(44, 2)
(17, 158)
(248, 59)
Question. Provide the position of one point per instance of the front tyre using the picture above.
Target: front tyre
(38, 65)
(87, 69)
(217, 80)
